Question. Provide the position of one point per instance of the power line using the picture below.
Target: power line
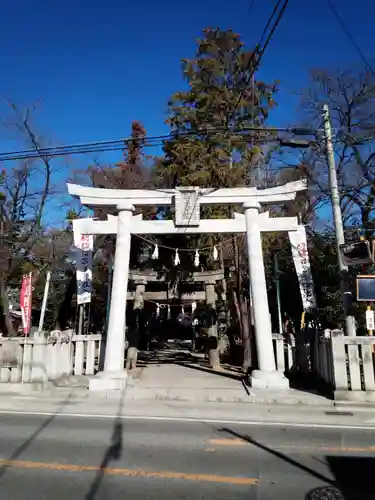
(350, 36)
(123, 144)
(251, 7)
(260, 52)
(275, 9)
(124, 141)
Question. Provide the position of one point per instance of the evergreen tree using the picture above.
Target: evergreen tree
(221, 98)
(207, 149)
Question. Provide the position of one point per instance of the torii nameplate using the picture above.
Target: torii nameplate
(187, 207)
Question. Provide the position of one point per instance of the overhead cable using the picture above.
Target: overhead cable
(350, 37)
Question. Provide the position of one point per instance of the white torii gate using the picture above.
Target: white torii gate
(187, 201)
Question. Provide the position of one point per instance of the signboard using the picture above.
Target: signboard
(366, 288)
(298, 242)
(354, 253)
(84, 244)
(187, 207)
(26, 302)
(370, 319)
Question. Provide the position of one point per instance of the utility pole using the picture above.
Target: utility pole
(350, 329)
(44, 303)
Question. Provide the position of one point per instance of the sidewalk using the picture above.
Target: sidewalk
(159, 381)
(251, 414)
(190, 393)
(170, 382)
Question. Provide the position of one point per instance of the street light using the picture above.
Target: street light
(302, 131)
(356, 252)
(295, 143)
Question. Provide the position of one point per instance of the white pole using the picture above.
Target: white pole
(263, 328)
(80, 319)
(115, 346)
(266, 376)
(278, 295)
(337, 220)
(44, 303)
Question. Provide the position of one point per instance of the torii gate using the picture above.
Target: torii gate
(187, 201)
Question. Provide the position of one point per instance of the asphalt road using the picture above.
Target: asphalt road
(81, 458)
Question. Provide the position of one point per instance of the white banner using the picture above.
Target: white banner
(84, 245)
(300, 253)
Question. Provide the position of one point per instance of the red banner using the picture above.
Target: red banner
(26, 301)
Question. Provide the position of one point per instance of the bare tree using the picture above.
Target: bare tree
(26, 192)
(350, 95)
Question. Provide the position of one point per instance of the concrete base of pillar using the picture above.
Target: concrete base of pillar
(109, 381)
(268, 380)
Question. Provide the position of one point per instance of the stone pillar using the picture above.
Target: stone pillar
(213, 348)
(266, 376)
(114, 376)
(132, 353)
(140, 287)
(210, 293)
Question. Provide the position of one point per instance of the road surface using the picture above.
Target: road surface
(82, 458)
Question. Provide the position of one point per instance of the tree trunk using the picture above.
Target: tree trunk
(244, 313)
(5, 302)
(212, 340)
(55, 304)
(65, 311)
(246, 333)
(238, 311)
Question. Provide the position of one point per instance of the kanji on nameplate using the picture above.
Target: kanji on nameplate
(187, 208)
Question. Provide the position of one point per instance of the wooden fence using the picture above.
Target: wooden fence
(30, 360)
(322, 359)
(284, 348)
(353, 368)
(346, 365)
(38, 359)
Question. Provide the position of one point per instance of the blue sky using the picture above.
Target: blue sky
(96, 66)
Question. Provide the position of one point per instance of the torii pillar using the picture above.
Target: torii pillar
(266, 376)
(114, 375)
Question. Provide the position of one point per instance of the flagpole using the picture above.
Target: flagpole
(44, 302)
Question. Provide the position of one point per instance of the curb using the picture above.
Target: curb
(132, 393)
(85, 395)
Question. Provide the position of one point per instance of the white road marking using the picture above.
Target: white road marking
(196, 420)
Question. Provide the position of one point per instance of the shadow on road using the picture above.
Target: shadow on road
(114, 452)
(18, 452)
(279, 455)
(354, 475)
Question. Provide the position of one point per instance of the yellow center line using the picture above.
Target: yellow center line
(22, 464)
